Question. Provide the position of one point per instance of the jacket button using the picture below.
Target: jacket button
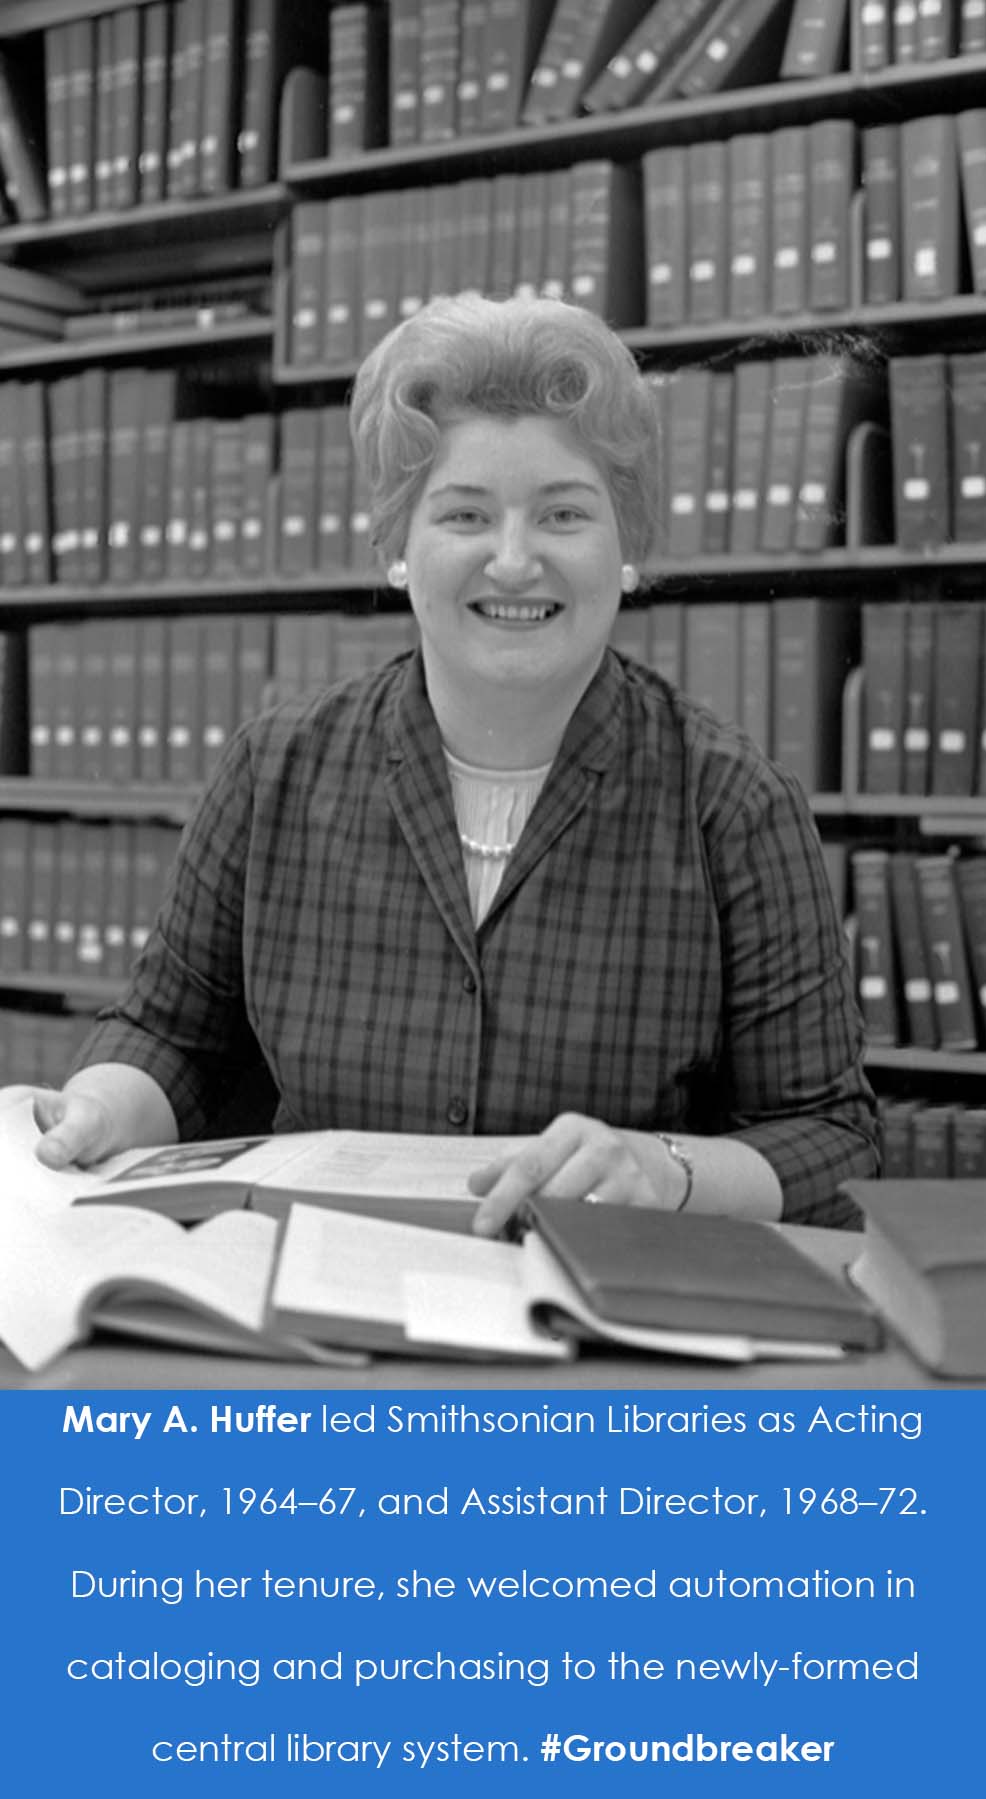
(457, 1111)
(469, 983)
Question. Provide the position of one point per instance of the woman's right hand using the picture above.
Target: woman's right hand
(75, 1128)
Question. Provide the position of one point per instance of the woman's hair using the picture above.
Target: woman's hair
(510, 359)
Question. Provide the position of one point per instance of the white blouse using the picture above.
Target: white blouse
(492, 806)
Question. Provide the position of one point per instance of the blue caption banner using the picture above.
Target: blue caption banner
(529, 1593)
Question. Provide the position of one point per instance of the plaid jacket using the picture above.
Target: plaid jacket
(663, 950)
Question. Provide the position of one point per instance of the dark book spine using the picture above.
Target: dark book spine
(877, 980)
(334, 489)
(220, 97)
(666, 233)
(154, 101)
(708, 235)
(946, 950)
(712, 654)
(308, 270)
(936, 30)
(227, 499)
(921, 627)
(929, 208)
(815, 645)
(438, 70)
(105, 86)
(972, 27)
(122, 686)
(741, 43)
(343, 238)
(126, 115)
(184, 727)
(747, 217)
(126, 406)
(832, 165)
(958, 654)
(35, 484)
(255, 525)
(199, 549)
(648, 55)
(15, 849)
(967, 382)
(299, 491)
(42, 875)
(469, 87)
(65, 444)
(919, 422)
(872, 32)
(785, 435)
(884, 626)
(605, 244)
(970, 877)
(687, 464)
(719, 467)
(219, 705)
(405, 64)
(116, 919)
(82, 107)
(158, 409)
(816, 39)
(789, 219)
(882, 228)
(92, 672)
(58, 75)
(912, 953)
(377, 277)
(751, 402)
(151, 699)
(971, 140)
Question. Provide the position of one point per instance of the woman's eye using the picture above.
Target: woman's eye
(566, 515)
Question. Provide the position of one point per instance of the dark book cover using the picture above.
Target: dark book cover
(666, 235)
(815, 644)
(155, 69)
(921, 444)
(967, 388)
(706, 177)
(788, 235)
(831, 185)
(880, 157)
(816, 39)
(912, 952)
(957, 664)
(876, 988)
(669, 1270)
(930, 208)
(945, 938)
(884, 633)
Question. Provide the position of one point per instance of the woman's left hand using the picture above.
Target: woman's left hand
(573, 1157)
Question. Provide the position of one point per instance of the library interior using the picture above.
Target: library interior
(212, 210)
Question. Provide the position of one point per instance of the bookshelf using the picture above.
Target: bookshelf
(206, 244)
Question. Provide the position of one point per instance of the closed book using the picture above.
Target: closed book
(362, 556)
(708, 231)
(930, 208)
(412, 250)
(93, 389)
(816, 39)
(126, 111)
(343, 235)
(13, 702)
(308, 268)
(358, 95)
(831, 184)
(666, 235)
(969, 1143)
(443, 236)
(972, 26)
(513, 36)
(65, 447)
(531, 223)
(912, 952)
(647, 54)
(199, 546)
(475, 231)
(815, 644)
(581, 38)
(219, 709)
(718, 468)
(871, 34)
(90, 901)
(404, 109)
(179, 501)
(123, 676)
(67, 887)
(117, 916)
(151, 700)
(92, 672)
(275, 37)
(936, 30)
(377, 276)
(956, 697)
(41, 897)
(923, 1265)
(970, 879)
(788, 235)
(751, 403)
(227, 499)
(179, 76)
(183, 736)
(504, 189)
(220, 97)
(334, 489)
(880, 156)
(57, 73)
(469, 87)
(158, 409)
(755, 699)
(904, 31)
(253, 664)
(919, 681)
(22, 132)
(896, 1119)
(189, 147)
(931, 1142)
(747, 208)
(298, 491)
(13, 566)
(712, 656)
(967, 388)
(105, 93)
(686, 462)
(876, 985)
(124, 429)
(438, 70)
(785, 425)
(82, 116)
(884, 631)
(951, 977)
(668, 1270)
(15, 842)
(971, 139)
(844, 391)
(41, 652)
(740, 46)
(35, 486)
(255, 554)
(605, 244)
(921, 444)
(155, 64)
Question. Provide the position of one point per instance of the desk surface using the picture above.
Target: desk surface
(110, 1363)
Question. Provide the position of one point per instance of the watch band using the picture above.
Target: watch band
(680, 1155)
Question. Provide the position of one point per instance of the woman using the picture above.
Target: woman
(511, 884)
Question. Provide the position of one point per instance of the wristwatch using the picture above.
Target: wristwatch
(680, 1155)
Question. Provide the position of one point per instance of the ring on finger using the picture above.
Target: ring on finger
(592, 1198)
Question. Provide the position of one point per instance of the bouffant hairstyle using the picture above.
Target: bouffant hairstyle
(510, 359)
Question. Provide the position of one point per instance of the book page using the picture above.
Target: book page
(388, 1164)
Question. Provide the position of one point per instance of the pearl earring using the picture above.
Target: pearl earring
(397, 573)
(629, 578)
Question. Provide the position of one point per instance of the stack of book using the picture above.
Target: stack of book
(924, 187)
(921, 948)
(79, 896)
(157, 699)
(922, 1139)
(890, 33)
(924, 698)
(35, 308)
(938, 427)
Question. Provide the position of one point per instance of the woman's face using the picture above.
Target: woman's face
(513, 556)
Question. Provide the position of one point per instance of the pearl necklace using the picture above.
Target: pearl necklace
(490, 852)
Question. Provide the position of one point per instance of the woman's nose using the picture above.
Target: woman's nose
(513, 560)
